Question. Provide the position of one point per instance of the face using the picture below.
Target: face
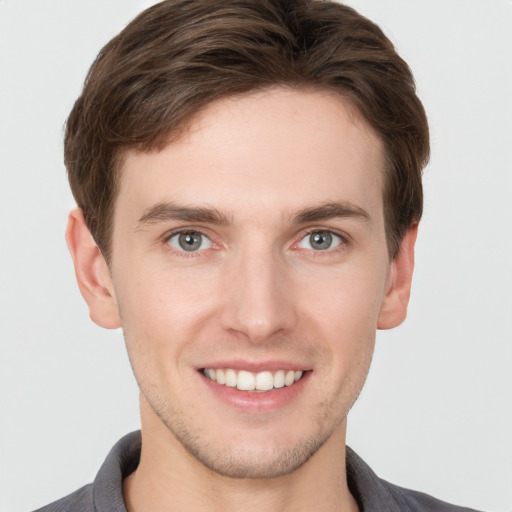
(250, 272)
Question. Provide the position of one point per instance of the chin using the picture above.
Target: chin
(254, 463)
(254, 455)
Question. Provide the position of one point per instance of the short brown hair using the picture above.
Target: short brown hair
(178, 56)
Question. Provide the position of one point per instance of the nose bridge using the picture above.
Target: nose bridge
(256, 303)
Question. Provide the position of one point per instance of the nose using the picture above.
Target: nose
(258, 301)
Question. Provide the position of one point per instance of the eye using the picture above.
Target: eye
(189, 241)
(320, 241)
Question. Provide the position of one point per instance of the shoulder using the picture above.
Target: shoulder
(415, 501)
(106, 493)
(374, 494)
(78, 501)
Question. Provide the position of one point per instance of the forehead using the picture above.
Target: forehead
(269, 151)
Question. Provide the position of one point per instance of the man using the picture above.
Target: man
(248, 181)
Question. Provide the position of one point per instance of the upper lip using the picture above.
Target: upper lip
(255, 366)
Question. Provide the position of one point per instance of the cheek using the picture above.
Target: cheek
(347, 299)
(164, 312)
(343, 313)
(162, 296)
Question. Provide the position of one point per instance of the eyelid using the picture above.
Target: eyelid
(345, 239)
(184, 229)
(166, 237)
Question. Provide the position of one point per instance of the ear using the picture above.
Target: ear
(92, 272)
(394, 306)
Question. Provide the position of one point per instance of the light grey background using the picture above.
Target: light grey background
(436, 413)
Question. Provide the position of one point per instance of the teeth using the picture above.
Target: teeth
(279, 379)
(264, 381)
(289, 378)
(221, 376)
(247, 381)
(231, 378)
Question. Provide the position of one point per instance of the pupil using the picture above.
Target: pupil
(190, 241)
(321, 241)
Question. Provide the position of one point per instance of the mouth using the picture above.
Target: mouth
(262, 381)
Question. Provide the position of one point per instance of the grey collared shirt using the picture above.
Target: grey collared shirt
(372, 494)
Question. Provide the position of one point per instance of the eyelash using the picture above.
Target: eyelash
(344, 240)
(183, 231)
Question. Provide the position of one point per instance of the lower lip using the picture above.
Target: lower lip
(253, 401)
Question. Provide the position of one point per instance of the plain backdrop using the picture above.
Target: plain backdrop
(436, 412)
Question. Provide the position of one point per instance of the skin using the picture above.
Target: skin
(256, 291)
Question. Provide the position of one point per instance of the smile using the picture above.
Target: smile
(248, 381)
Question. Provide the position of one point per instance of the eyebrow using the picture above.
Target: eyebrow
(331, 210)
(163, 212)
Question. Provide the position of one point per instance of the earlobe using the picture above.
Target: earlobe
(394, 306)
(92, 272)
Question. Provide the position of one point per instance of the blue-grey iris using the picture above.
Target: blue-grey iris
(190, 241)
(321, 240)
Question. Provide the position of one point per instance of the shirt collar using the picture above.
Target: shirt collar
(371, 493)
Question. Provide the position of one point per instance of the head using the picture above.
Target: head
(251, 175)
(178, 57)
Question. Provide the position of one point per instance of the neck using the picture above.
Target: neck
(170, 478)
